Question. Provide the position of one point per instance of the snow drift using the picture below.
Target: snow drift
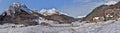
(110, 26)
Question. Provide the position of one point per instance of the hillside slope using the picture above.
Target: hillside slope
(104, 13)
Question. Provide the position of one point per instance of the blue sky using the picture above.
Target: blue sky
(72, 7)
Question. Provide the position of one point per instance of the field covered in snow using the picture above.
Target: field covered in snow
(110, 26)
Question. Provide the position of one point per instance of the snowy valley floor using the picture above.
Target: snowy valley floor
(107, 27)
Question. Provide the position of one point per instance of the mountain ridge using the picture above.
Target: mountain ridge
(18, 13)
(104, 13)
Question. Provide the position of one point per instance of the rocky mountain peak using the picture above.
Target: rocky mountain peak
(17, 7)
(18, 13)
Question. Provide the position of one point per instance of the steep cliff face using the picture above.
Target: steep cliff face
(104, 13)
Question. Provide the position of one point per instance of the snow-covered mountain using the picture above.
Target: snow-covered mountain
(18, 13)
(20, 19)
(17, 7)
(49, 12)
(55, 15)
(52, 11)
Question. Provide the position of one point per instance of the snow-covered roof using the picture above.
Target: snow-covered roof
(110, 2)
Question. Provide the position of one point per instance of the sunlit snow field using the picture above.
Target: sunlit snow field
(110, 26)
